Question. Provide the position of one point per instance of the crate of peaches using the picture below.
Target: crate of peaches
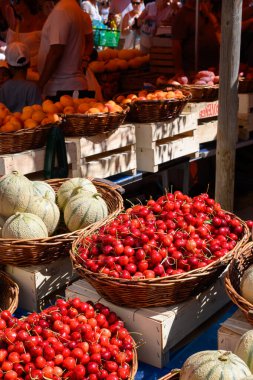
(88, 117)
(28, 129)
(154, 106)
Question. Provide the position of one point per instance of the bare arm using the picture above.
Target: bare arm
(52, 61)
(125, 25)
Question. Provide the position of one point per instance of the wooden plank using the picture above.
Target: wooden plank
(204, 109)
(31, 161)
(206, 132)
(146, 134)
(149, 158)
(115, 163)
(161, 41)
(90, 146)
(228, 101)
(160, 328)
(38, 281)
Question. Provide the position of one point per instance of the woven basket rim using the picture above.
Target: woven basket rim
(228, 282)
(23, 131)
(171, 375)
(11, 283)
(187, 97)
(200, 86)
(186, 276)
(43, 241)
(100, 114)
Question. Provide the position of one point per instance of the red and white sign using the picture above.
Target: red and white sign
(209, 110)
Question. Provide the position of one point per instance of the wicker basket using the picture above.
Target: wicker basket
(151, 111)
(134, 366)
(202, 93)
(24, 139)
(245, 86)
(174, 375)
(80, 125)
(237, 267)
(161, 291)
(41, 251)
(9, 293)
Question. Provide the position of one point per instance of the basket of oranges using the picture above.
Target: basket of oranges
(20, 131)
(88, 117)
(154, 106)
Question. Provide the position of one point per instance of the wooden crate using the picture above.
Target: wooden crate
(105, 155)
(157, 143)
(161, 58)
(160, 328)
(32, 161)
(39, 281)
(245, 115)
(231, 331)
(207, 120)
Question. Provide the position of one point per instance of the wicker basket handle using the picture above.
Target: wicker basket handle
(113, 185)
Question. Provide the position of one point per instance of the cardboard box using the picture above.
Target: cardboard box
(38, 281)
(161, 328)
(231, 331)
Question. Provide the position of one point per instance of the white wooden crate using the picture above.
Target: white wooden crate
(160, 328)
(38, 281)
(245, 104)
(147, 133)
(204, 110)
(161, 151)
(231, 331)
(207, 131)
(32, 161)
(108, 154)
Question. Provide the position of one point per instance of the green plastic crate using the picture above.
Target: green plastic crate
(106, 37)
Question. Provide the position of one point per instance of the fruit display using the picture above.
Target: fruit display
(110, 60)
(244, 348)
(170, 236)
(30, 210)
(144, 95)
(246, 284)
(72, 340)
(212, 365)
(201, 78)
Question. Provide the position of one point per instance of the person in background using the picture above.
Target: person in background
(183, 38)
(129, 25)
(5, 74)
(17, 92)
(90, 7)
(29, 20)
(66, 39)
(104, 9)
(156, 14)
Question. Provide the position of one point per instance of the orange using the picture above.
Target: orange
(53, 117)
(46, 121)
(9, 127)
(30, 124)
(38, 116)
(16, 122)
(3, 112)
(17, 114)
(93, 111)
(26, 115)
(49, 107)
(82, 108)
(59, 107)
(66, 101)
(69, 109)
(27, 109)
(37, 107)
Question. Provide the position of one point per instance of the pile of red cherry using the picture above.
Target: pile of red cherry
(169, 236)
(72, 340)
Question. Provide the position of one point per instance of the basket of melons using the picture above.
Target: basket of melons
(9, 293)
(239, 279)
(88, 117)
(71, 339)
(160, 253)
(20, 131)
(40, 219)
(154, 106)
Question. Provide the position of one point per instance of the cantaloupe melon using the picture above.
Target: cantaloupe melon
(24, 225)
(40, 188)
(83, 209)
(246, 284)
(47, 210)
(244, 349)
(214, 365)
(66, 189)
(15, 193)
